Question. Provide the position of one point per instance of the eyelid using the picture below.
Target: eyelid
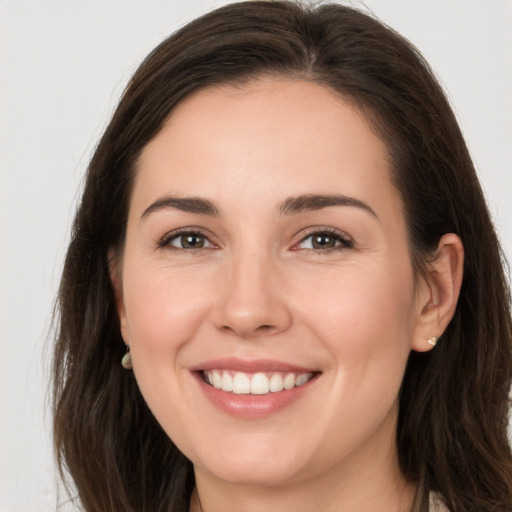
(164, 242)
(346, 241)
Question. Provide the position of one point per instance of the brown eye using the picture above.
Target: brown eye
(189, 241)
(324, 241)
(192, 241)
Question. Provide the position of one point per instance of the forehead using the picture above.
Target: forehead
(265, 138)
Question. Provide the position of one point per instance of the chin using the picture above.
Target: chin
(246, 472)
(255, 459)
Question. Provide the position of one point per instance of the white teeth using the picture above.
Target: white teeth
(241, 384)
(302, 379)
(289, 381)
(217, 380)
(259, 383)
(227, 382)
(276, 383)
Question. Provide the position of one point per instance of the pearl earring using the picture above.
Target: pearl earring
(431, 341)
(126, 361)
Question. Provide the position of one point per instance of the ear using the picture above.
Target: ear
(439, 292)
(114, 265)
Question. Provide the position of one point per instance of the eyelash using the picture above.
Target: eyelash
(166, 241)
(341, 239)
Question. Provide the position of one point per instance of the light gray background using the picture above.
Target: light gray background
(63, 65)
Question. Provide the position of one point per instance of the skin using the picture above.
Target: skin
(259, 289)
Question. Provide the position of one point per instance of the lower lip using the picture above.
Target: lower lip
(252, 406)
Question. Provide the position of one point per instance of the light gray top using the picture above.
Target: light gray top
(435, 504)
(427, 501)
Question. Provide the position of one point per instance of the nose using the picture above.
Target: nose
(251, 301)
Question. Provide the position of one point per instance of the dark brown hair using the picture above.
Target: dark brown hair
(454, 400)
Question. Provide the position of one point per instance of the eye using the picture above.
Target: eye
(325, 240)
(186, 240)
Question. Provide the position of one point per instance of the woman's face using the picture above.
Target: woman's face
(266, 249)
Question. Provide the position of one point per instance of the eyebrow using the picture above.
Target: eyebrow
(290, 206)
(310, 202)
(185, 204)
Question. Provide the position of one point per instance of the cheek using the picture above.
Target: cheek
(164, 311)
(362, 297)
(163, 308)
(366, 324)
(364, 316)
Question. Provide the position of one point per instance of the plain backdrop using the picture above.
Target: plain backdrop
(63, 65)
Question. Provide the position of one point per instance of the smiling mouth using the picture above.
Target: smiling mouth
(260, 383)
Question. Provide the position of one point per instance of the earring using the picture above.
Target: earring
(431, 341)
(126, 361)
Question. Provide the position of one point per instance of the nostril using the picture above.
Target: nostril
(260, 329)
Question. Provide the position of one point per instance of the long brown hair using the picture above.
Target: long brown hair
(454, 400)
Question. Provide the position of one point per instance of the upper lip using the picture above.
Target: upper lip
(250, 366)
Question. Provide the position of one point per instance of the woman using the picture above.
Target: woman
(283, 239)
